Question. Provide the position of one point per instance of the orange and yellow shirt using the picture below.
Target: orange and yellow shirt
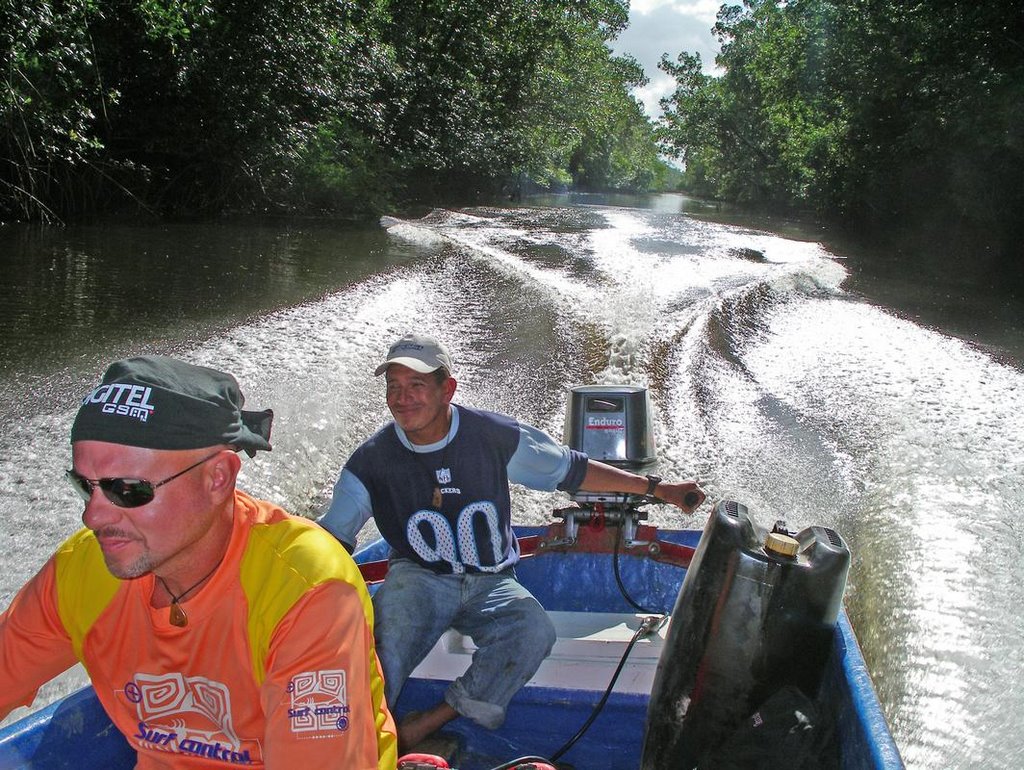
(276, 667)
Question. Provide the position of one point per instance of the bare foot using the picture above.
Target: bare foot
(415, 727)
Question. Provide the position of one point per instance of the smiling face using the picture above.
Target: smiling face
(419, 402)
(182, 531)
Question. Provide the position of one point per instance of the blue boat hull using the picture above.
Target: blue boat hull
(544, 715)
(541, 719)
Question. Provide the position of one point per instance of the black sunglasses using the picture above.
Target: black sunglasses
(126, 493)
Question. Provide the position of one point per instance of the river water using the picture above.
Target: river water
(785, 375)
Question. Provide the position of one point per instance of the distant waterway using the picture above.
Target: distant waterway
(797, 377)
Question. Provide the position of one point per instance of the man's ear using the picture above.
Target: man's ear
(223, 471)
(449, 389)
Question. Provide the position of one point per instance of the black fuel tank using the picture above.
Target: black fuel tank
(748, 620)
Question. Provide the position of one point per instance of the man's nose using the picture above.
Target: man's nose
(99, 511)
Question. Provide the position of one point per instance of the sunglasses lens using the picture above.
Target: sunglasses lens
(81, 485)
(127, 493)
(124, 493)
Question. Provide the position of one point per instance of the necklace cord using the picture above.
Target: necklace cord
(178, 616)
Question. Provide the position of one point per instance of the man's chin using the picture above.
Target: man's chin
(408, 426)
(129, 571)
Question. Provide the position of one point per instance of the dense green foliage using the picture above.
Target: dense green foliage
(887, 115)
(890, 116)
(199, 106)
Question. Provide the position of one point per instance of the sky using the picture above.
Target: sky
(667, 26)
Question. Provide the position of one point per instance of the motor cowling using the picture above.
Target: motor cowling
(613, 424)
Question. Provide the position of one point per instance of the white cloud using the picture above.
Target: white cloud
(659, 27)
(703, 9)
(661, 85)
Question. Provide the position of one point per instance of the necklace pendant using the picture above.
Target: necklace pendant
(178, 617)
(436, 499)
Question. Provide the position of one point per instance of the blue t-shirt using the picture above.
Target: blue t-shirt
(397, 483)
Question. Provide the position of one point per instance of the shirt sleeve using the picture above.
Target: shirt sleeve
(326, 639)
(350, 508)
(34, 647)
(540, 462)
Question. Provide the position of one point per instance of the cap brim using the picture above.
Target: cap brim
(413, 363)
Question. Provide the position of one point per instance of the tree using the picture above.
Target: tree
(492, 88)
(218, 100)
(889, 116)
(201, 106)
(51, 96)
(762, 133)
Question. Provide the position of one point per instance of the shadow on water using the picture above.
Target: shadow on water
(104, 291)
(972, 301)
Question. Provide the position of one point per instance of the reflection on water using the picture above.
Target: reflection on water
(772, 380)
(90, 289)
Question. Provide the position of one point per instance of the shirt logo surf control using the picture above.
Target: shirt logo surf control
(319, 702)
(189, 716)
(122, 399)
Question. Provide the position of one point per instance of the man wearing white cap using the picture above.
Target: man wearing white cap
(436, 483)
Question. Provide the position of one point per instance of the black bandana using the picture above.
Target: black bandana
(162, 403)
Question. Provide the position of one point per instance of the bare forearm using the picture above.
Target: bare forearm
(607, 478)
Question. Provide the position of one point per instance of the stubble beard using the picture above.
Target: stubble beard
(137, 568)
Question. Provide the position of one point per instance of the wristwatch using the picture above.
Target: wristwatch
(652, 484)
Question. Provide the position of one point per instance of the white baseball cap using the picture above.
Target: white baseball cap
(420, 352)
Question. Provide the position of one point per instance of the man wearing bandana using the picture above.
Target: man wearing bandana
(217, 629)
(436, 482)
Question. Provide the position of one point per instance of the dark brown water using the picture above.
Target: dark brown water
(807, 383)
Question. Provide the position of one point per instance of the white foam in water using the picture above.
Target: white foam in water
(419, 236)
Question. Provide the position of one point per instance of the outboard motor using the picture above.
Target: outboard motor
(611, 423)
(756, 613)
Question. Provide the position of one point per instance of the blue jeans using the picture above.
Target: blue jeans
(513, 634)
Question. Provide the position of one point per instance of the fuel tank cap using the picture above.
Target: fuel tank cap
(784, 545)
